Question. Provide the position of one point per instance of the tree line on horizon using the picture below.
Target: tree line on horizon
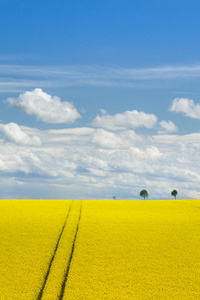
(145, 194)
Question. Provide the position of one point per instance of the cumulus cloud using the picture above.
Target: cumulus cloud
(12, 132)
(187, 107)
(167, 127)
(45, 107)
(126, 120)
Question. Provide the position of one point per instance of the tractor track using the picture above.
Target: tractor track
(53, 256)
(71, 256)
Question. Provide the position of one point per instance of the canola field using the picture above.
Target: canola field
(99, 249)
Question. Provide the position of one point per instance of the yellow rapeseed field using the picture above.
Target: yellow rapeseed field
(137, 250)
(99, 249)
(29, 230)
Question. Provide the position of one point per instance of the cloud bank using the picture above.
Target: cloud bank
(45, 107)
(96, 163)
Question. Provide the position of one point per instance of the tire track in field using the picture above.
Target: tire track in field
(53, 256)
(71, 256)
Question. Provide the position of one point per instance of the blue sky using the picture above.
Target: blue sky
(128, 114)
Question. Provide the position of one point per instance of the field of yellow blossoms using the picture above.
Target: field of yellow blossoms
(99, 249)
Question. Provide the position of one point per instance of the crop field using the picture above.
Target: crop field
(99, 249)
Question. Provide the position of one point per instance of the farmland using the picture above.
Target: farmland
(91, 249)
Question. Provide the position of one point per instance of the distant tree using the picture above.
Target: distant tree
(144, 194)
(174, 193)
(114, 197)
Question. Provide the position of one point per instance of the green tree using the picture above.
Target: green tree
(114, 197)
(144, 194)
(174, 193)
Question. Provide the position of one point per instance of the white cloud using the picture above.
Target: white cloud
(12, 132)
(167, 127)
(187, 107)
(45, 107)
(126, 120)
